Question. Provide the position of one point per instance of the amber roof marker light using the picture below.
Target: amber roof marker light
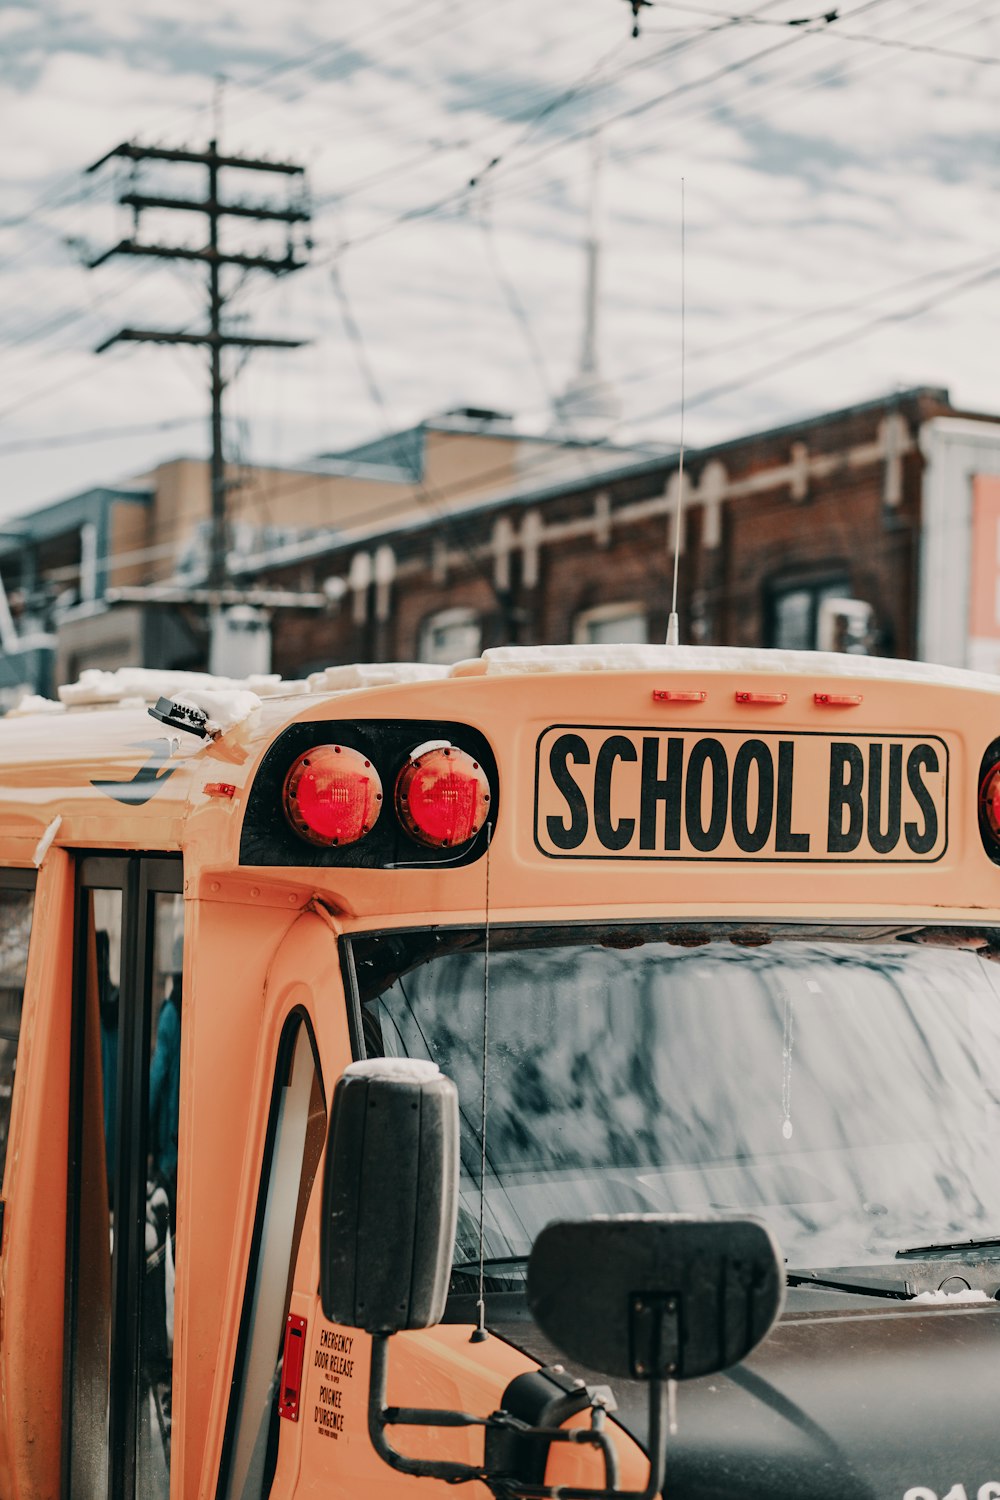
(332, 795)
(442, 795)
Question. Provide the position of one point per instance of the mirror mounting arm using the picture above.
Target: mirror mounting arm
(381, 1416)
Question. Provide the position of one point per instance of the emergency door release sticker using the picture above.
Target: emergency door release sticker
(719, 794)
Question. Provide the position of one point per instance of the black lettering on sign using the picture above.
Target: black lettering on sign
(785, 841)
(707, 752)
(637, 793)
(656, 789)
(334, 1358)
(612, 835)
(922, 758)
(342, 1343)
(845, 792)
(753, 753)
(566, 748)
(884, 840)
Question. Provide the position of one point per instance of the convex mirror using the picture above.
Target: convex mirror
(656, 1297)
(390, 1196)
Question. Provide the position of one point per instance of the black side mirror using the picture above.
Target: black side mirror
(390, 1196)
(654, 1298)
(657, 1297)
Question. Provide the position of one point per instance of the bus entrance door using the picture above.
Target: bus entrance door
(124, 1096)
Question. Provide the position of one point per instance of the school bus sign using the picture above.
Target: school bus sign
(719, 794)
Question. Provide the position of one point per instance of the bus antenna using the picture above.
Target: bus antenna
(673, 633)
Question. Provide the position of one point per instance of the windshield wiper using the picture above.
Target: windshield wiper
(863, 1289)
(987, 1242)
(491, 1262)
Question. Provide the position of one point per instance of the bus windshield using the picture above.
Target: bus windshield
(845, 1088)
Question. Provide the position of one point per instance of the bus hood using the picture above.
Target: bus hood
(847, 1405)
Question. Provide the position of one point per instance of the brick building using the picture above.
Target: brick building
(875, 528)
(116, 575)
(852, 530)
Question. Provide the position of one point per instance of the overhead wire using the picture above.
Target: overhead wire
(17, 404)
(460, 488)
(427, 496)
(962, 276)
(97, 435)
(900, 43)
(442, 204)
(788, 361)
(813, 77)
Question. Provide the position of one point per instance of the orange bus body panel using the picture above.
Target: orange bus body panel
(263, 940)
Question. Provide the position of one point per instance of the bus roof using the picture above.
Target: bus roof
(227, 700)
(114, 778)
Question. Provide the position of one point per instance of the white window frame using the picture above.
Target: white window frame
(607, 614)
(456, 617)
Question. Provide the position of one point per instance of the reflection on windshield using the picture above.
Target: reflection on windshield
(846, 1092)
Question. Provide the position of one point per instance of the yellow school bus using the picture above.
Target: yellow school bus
(699, 936)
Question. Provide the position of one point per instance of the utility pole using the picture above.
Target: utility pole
(214, 258)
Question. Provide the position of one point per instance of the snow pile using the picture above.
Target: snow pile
(45, 842)
(508, 660)
(395, 1070)
(146, 685)
(223, 708)
(952, 1299)
(374, 674)
(32, 704)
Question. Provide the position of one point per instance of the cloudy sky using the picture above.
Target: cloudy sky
(839, 191)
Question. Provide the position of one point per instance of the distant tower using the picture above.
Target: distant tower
(589, 407)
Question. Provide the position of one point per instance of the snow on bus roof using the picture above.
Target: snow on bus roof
(505, 660)
(227, 701)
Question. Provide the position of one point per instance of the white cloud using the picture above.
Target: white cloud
(799, 194)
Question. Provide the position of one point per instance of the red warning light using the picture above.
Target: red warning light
(332, 795)
(989, 802)
(442, 796)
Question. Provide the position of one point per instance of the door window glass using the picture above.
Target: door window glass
(296, 1133)
(156, 1307)
(99, 1022)
(123, 1176)
(15, 927)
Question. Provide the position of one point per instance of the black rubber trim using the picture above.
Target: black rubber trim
(268, 838)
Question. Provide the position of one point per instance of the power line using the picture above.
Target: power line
(216, 210)
(452, 199)
(422, 492)
(970, 274)
(502, 472)
(805, 82)
(811, 315)
(854, 36)
(96, 435)
(814, 78)
(73, 193)
(836, 341)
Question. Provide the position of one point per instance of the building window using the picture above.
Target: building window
(612, 625)
(818, 615)
(450, 635)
